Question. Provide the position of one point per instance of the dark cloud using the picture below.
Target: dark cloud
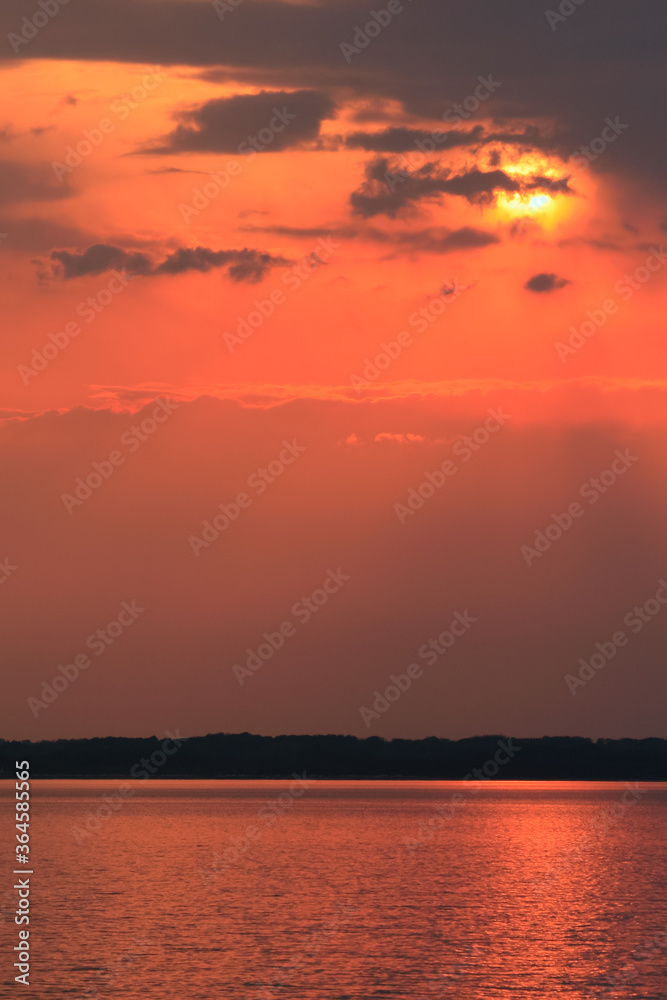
(269, 121)
(306, 232)
(30, 182)
(243, 265)
(560, 185)
(476, 185)
(388, 188)
(434, 239)
(428, 60)
(97, 259)
(403, 139)
(545, 283)
(531, 137)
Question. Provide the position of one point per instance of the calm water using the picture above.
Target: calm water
(518, 890)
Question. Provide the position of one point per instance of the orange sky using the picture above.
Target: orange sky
(501, 268)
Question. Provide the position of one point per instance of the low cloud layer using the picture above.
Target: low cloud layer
(457, 547)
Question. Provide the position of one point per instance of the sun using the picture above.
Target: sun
(525, 204)
(539, 202)
(539, 205)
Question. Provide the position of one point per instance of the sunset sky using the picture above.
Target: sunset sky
(251, 236)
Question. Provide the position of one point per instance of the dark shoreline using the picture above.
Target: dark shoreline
(321, 777)
(246, 757)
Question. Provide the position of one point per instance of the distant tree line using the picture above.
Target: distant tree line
(243, 755)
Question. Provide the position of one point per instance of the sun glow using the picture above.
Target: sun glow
(538, 204)
(525, 204)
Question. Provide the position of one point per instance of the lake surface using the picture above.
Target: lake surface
(340, 890)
